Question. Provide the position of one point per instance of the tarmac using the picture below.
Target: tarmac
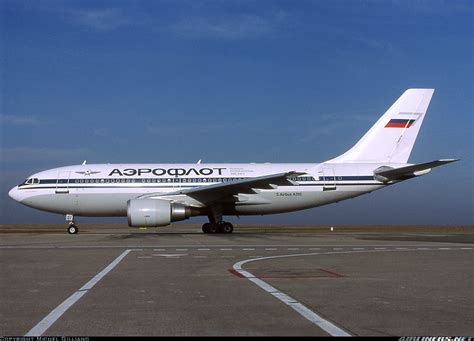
(276, 281)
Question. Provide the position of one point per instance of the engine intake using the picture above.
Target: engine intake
(155, 212)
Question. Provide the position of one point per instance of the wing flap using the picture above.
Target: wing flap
(386, 173)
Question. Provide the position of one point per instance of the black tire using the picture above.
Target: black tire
(72, 229)
(213, 228)
(226, 228)
(205, 228)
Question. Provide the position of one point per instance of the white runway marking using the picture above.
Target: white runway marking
(54, 315)
(308, 314)
(171, 255)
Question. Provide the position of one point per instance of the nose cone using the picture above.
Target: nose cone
(14, 194)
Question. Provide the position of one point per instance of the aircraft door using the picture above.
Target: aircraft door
(176, 183)
(62, 183)
(329, 179)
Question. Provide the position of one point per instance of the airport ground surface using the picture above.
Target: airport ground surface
(106, 280)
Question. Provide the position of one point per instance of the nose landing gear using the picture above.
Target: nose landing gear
(72, 228)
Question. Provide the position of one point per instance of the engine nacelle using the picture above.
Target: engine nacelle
(155, 212)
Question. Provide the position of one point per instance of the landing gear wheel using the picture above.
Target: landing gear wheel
(205, 228)
(213, 228)
(72, 229)
(226, 227)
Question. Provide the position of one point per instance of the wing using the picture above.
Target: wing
(385, 173)
(210, 193)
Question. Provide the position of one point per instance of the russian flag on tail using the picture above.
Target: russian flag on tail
(399, 123)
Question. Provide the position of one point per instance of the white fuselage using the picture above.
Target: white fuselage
(105, 189)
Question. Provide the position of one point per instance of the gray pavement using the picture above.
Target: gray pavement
(185, 283)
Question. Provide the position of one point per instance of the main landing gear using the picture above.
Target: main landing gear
(221, 227)
(216, 224)
(72, 228)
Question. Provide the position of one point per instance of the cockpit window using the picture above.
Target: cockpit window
(31, 181)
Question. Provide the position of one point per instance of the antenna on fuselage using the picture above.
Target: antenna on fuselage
(85, 162)
(199, 162)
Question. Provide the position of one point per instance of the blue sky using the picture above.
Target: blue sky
(236, 81)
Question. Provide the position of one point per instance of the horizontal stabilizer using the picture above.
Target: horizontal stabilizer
(386, 173)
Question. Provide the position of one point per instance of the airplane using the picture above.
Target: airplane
(153, 195)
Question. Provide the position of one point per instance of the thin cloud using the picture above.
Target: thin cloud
(232, 27)
(20, 120)
(107, 19)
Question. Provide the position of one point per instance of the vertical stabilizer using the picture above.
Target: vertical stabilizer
(392, 137)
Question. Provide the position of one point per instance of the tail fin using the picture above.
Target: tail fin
(392, 138)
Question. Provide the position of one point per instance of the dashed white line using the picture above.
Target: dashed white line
(271, 249)
(226, 249)
(248, 249)
(293, 248)
(204, 249)
(54, 315)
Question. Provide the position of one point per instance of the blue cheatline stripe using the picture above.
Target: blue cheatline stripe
(183, 182)
(72, 186)
(191, 180)
(346, 178)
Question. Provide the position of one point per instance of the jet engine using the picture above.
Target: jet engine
(155, 212)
